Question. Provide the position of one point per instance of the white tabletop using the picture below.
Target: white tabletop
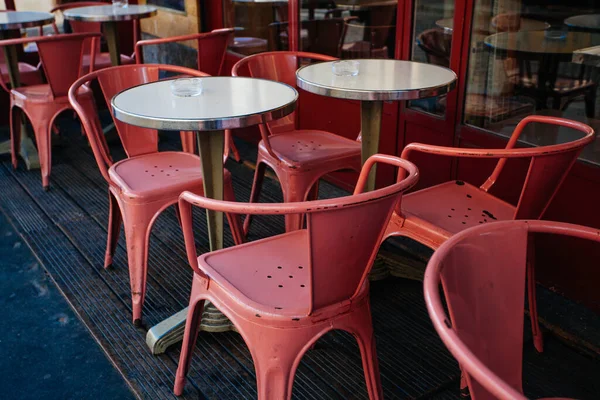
(225, 103)
(24, 19)
(378, 80)
(109, 13)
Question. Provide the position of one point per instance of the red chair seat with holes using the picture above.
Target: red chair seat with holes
(306, 147)
(158, 175)
(455, 206)
(265, 274)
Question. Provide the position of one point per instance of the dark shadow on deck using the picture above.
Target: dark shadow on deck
(66, 229)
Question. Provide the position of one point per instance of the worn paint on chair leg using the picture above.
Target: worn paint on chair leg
(189, 343)
(211, 144)
(370, 123)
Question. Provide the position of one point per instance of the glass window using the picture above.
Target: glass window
(252, 21)
(521, 63)
(348, 28)
(432, 37)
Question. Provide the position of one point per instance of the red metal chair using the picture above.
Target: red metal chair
(42, 103)
(102, 58)
(147, 181)
(284, 292)
(432, 215)
(212, 47)
(299, 157)
(28, 74)
(482, 271)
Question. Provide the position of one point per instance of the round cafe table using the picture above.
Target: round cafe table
(11, 21)
(540, 46)
(526, 24)
(225, 103)
(376, 82)
(586, 22)
(109, 16)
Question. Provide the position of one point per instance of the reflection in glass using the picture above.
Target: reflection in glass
(347, 29)
(521, 63)
(432, 41)
(251, 19)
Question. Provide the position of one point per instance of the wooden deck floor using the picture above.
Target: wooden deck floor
(66, 229)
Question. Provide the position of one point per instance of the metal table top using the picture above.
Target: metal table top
(536, 42)
(359, 5)
(24, 19)
(588, 22)
(378, 80)
(109, 13)
(225, 103)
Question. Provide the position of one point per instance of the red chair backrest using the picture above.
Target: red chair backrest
(212, 47)
(483, 274)
(61, 57)
(82, 26)
(135, 140)
(278, 66)
(343, 233)
(548, 168)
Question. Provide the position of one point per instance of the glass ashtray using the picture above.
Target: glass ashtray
(345, 67)
(186, 87)
(555, 34)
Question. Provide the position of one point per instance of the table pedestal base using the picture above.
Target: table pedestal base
(170, 331)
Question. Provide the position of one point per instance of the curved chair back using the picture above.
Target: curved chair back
(334, 226)
(482, 271)
(53, 51)
(436, 45)
(135, 140)
(548, 165)
(278, 66)
(212, 47)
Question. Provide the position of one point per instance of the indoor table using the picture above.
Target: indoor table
(586, 22)
(109, 16)
(11, 21)
(377, 81)
(549, 48)
(225, 103)
(526, 24)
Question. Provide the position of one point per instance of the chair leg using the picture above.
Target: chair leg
(114, 228)
(313, 194)
(362, 329)
(188, 142)
(15, 134)
(538, 340)
(43, 139)
(259, 175)
(275, 362)
(137, 229)
(189, 343)
(234, 220)
(590, 102)
(295, 188)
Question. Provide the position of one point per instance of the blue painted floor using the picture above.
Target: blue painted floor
(45, 351)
